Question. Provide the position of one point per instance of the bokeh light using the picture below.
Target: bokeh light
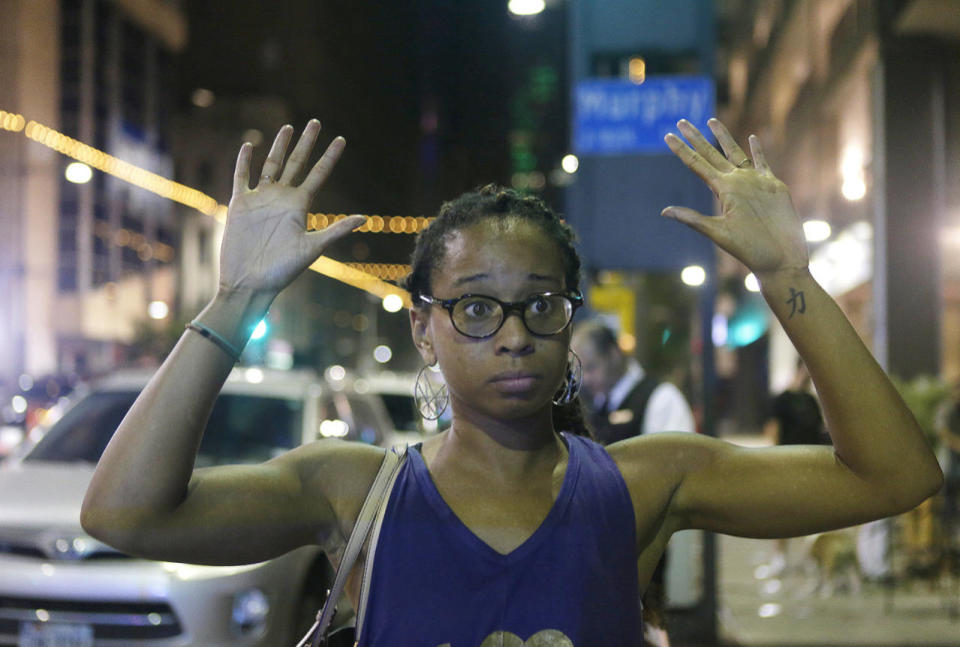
(693, 275)
(78, 173)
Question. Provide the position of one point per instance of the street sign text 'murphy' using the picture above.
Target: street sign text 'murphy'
(618, 117)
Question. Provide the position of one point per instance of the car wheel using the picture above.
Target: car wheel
(312, 596)
(308, 606)
(314, 593)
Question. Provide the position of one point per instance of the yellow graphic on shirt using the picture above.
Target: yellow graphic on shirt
(545, 638)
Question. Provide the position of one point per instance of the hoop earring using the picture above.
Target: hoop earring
(431, 395)
(571, 383)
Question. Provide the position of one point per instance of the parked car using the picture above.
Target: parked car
(29, 402)
(395, 390)
(59, 586)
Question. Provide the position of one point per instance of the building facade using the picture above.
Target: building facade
(858, 104)
(82, 261)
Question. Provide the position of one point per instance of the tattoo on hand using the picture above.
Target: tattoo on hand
(796, 296)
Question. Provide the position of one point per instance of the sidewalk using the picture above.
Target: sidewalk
(759, 607)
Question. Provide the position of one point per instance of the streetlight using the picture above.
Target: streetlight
(526, 7)
(202, 97)
(854, 183)
(693, 275)
(158, 310)
(816, 230)
(382, 354)
(392, 303)
(78, 173)
(570, 163)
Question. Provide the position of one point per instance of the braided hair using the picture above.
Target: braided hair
(500, 204)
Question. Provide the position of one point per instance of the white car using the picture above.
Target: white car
(60, 587)
(395, 390)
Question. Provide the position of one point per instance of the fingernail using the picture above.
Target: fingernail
(667, 212)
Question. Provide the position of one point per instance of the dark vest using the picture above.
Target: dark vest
(627, 420)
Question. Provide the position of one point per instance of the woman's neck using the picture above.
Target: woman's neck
(505, 449)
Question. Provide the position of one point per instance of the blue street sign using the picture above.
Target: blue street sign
(616, 116)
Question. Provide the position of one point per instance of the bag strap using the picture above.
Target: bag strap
(377, 495)
(372, 548)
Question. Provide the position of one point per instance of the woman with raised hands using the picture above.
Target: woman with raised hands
(512, 527)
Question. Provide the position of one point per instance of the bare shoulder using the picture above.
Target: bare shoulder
(338, 472)
(653, 467)
(309, 495)
(664, 456)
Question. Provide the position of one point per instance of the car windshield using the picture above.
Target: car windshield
(241, 429)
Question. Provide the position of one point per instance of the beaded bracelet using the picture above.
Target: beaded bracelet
(216, 338)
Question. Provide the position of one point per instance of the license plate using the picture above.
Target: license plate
(42, 634)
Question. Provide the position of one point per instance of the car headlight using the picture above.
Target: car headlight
(250, 610)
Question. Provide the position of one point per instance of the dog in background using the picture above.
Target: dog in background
(832, 556)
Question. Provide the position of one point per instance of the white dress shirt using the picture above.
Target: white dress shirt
(667, 409)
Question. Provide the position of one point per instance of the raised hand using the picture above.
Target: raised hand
(266, 243)
(758, 223)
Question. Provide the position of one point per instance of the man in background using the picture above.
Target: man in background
(623, 401)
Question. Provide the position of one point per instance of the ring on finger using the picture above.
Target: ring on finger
(744, 162)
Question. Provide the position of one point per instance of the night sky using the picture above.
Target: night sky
(421, 89)
(429, 94)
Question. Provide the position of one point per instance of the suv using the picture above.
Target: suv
(59, 586)
(395, 390)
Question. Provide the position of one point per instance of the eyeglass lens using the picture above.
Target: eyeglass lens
(543, 314)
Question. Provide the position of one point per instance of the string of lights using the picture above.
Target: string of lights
(375, 224)
(365, 276)
(387, 271)
(134, 240)
(357, 278)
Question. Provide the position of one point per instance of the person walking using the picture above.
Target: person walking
(795, 419)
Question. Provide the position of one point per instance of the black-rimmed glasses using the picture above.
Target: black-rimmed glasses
(479, 315)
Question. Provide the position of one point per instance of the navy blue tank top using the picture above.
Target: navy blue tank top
(572, 583)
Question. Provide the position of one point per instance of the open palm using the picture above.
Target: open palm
(265, 243)
(757, 223)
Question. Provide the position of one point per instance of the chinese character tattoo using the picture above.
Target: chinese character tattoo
(798, 304)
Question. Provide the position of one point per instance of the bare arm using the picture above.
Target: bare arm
(880, 464)
(145, 497)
